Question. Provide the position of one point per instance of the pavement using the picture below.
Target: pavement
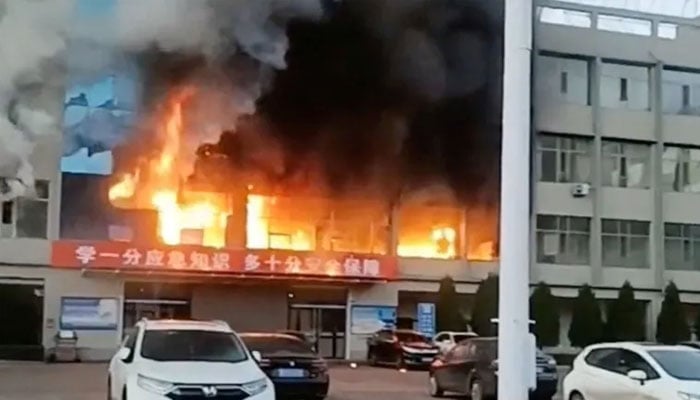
(38, 381)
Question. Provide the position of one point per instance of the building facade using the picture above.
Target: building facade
(615, 112)
(617, 177)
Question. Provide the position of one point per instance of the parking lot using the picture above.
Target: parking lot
(37, 381)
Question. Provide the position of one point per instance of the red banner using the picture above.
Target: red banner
(123, 255)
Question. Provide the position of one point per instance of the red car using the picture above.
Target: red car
(402, 348)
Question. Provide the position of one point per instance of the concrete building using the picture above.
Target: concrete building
(615, 102)
(615, 106)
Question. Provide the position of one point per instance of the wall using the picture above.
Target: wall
(245, 308)
(93, 345)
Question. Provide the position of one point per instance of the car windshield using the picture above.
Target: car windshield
(411, 337)
(192, 345)
(271, 345)
(680, 364)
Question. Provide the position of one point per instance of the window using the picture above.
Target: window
(26, 217)
(681, 92)
(682, 246)
(624, 86)
(564, 159)
(626, 164)
(681, 169)
(269, 344)
(683, 365)
(563, 78)
(191, 345)
(620, 361)
(625, 243)
(563, 240)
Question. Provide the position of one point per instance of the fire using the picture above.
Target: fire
(181, 213)
(189, 216)
(260, 234)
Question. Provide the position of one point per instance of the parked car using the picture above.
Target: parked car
(695, 345)
(634, 371)
(294, 368)
(471, 368)
(180, 359)
(445, 341)
(403, 348)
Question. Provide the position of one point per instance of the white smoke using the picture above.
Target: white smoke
(36, 33)
(32, 33)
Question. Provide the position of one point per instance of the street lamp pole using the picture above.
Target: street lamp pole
(514, 277)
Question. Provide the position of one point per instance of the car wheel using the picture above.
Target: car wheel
(476, 390)
(434, 388)
(576, 396)
(124, 393)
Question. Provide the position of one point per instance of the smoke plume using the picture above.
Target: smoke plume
(41, 39)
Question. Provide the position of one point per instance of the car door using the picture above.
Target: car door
(118, 367)
(441, 370)
(460, 367)
(606, 376)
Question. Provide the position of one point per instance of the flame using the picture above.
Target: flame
(197, 217)
(179, 211)
(441, 243)
(259, 234)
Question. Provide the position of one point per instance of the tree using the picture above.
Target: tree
(625, 317)
(672, 325)
(545, 312)
(586, 320)
(485, 307)
(447, 312)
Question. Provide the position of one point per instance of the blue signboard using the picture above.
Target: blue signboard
(426, 319)
(365, 320)
(89, 313)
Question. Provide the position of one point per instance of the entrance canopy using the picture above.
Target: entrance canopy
(199, 261)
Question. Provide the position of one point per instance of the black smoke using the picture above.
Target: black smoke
(404, 94)
(385, 93)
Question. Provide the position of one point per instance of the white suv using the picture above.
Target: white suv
(184, 359)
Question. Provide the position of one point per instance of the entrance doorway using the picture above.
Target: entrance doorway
(323, 324)
(21, 321)
(155, 301)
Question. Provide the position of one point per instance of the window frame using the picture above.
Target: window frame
(683, 162)
(14, 208)
(689, 242)
(566, 154)
(621, 155)
(625, 235)
(566, 237)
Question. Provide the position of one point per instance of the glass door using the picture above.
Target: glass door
(323, 325)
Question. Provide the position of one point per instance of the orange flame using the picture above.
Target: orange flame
(178, 213)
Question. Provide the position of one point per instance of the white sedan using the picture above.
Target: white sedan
(446, 340)
(626, 371)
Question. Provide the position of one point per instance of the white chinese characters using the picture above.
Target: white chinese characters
(85, 254)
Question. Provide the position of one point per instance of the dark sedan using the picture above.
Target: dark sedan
(403, 348)
(471, 368)
(296, 371)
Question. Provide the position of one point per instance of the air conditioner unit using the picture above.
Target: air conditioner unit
(580, 190)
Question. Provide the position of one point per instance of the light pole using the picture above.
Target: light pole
(514, 277)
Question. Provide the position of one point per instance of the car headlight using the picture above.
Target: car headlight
(155, 385)
(552, 362)
(255, 387)
(688, 396)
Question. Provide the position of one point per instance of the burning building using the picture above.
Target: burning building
(315, 158)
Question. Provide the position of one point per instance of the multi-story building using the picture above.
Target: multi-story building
(614, 110)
